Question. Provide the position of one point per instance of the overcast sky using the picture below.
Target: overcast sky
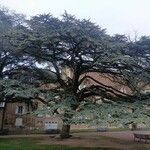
(117, 16)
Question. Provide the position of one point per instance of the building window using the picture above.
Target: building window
(20, 110)
(2, 104)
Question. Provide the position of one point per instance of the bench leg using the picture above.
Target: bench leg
(146, 141)
(136, 139)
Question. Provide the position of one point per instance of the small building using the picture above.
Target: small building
(20, 116)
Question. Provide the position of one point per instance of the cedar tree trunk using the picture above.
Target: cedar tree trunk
(65, 132)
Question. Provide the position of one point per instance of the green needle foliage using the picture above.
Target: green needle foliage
(63, 61)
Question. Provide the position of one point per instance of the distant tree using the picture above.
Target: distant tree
(12, 62)
(80, 47)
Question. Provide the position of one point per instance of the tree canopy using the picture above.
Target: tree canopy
(61, 54)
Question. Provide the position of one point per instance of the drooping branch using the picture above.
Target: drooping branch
(101, 85)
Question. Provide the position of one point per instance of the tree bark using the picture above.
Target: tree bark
(65, 132)
(134, 127)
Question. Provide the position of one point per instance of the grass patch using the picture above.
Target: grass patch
(94, 130)
(32, 144)
(109, 130)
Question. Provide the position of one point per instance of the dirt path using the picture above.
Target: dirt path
(118, 140)
(124, 135)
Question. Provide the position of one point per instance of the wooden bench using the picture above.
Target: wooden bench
(139, 137)
(102, 129)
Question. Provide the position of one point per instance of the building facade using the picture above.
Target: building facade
(20, 116)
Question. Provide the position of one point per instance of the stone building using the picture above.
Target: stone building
(20, 116)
